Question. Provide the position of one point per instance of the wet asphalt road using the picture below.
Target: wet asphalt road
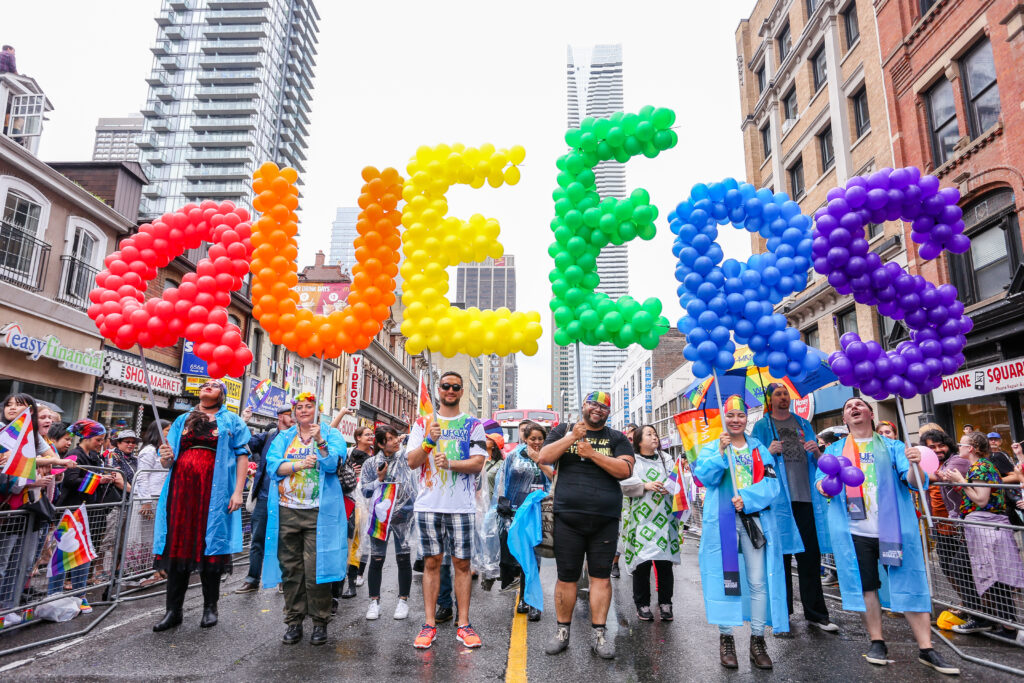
(245, 645)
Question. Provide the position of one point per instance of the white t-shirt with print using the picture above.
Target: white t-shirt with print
(444, 490)
(869, 525)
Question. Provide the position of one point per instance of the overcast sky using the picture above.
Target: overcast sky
(396, 75)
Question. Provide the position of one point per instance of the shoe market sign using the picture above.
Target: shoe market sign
(86, 361)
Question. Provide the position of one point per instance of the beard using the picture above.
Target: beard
(450, 404)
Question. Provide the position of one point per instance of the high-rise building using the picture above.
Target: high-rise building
(116, 138)
(594, 80)
(229, 89)
(492, 284)
(343, 236)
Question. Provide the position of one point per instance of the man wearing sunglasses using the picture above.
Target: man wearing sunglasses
(448, 452)
(590, 460)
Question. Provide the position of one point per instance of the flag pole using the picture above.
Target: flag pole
(430, 382)
(319, 386)
(152, 398)
(579, 385)
(721, 416)
(925, 503)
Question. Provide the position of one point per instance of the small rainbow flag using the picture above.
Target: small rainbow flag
(18, 439)
(382, 508)
(90, 482)
(426, 407)
(674, 485)
(258, 393)
(74, 544)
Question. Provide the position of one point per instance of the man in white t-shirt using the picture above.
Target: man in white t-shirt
(447, 452)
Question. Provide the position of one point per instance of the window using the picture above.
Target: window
(980, 88)
(812, 5)
(942, 121)
(847, 320)
(861, 116)
(785, 43)
(762, 79)
(818, 68)
(850, 25)
(995, 254)
(874, 230)
(766, 141)
(927, 5)
(828, 154)
(25, 116)
(812, 337)
(21, 212)
(796, 180)
(789, 104)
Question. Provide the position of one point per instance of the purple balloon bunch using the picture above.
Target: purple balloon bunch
(839, 472)
(933, 314)
(898, 194)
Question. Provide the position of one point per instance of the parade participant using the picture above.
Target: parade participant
(649, 539)
(306, 543)
(518, 476)
(876, 523)
(888, 430)
(995, 561)
(359, 550)
(198, 517)
(384, 469)
(449, 454)
(743, 519)
(148, 484)
(591, 460)
(259, 448)
(629, 432)
(495, 445)
(800, 510)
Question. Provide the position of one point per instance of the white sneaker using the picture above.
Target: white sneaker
(373, 611)
(402, 609)
(359, 579)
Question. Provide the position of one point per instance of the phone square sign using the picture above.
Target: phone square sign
(354, 383)
(976, 382)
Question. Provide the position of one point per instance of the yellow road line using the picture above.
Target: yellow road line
(515, 670)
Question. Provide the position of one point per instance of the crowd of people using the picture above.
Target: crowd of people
(447, 498)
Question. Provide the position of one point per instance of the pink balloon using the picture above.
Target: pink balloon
(929, 461)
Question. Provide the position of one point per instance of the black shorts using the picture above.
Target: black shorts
(578, 536)
(867, 551)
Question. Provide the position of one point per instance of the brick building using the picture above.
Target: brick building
(814, 115)
(954, 85)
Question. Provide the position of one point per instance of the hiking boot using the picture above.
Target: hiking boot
(292, 635)
(932, 659)
(759, 653)
(727, 651)
(319, 636)
(600, 645)
(558, 642)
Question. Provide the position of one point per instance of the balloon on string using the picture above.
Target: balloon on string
(852, 476)
(195, 310)
(832, 485)
(829, 464)
(929, 460)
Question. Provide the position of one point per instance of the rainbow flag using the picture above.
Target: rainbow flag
(90, 482)
(676, 487)
(426, 407)
(697, 428)
(258, 393)
(380, 521)
(18, 439)
(74, 544)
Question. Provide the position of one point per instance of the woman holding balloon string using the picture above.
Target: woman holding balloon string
(739, 474)
(872, 522)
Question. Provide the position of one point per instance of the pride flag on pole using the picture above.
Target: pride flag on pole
(90, 482)
(426, 407)
(697, 428)
(383, 506)
(675, 487)
(18, 440)
(74, 544)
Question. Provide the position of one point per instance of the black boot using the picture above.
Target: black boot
(177, 586)
(209, 616)
(170, 620)
(350, 586)
(293, 634)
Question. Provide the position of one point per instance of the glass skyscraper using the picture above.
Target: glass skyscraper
(343, 237)
(230, 89)
(492, 284)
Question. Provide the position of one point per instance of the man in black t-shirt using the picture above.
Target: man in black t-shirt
(590, 461)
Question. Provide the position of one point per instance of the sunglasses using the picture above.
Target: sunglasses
(453, 387)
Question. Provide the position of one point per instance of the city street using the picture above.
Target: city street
(246, 645)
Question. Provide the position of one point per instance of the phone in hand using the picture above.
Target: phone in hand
(382, 466)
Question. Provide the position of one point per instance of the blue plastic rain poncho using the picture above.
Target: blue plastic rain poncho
(904, 588)
(523, 536)
(223, 529)
(712, 469)
(331, 525)
(764, 431)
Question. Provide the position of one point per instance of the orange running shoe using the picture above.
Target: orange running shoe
(426, 637)
(468, 637)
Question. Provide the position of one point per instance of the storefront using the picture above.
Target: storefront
(122, 401)
(988, 397)
(57, 366)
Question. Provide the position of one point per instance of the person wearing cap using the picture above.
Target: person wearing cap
(800, 509)
(307, 533)
(259, 447)
(743, 488)
(495, 447)
(590, 460)
(198, 517)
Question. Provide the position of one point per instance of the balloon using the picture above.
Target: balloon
(831, 485)
(852, 476)
(585, 222)
(929, 460)
(829, 464)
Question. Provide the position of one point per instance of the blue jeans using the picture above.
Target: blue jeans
(258, 538)
(78, 577)
(754, 562)
(444, 596)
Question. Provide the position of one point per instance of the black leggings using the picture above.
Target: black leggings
(642, 582)
(404, 575)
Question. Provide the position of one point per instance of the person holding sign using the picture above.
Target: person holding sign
(875, 525)
(739, 473)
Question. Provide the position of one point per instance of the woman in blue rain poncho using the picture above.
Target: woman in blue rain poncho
(741, 520)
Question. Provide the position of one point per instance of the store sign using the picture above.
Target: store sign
(86, 361)
(348, 428)
(109, 390)
(273, 398)
(234, 400)
(354, 383)
(191, 364)
(648, 403)
(133, 375)
(804, 407)
(986, 381)
(625, 402)
(323, 298)
(182, 404)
